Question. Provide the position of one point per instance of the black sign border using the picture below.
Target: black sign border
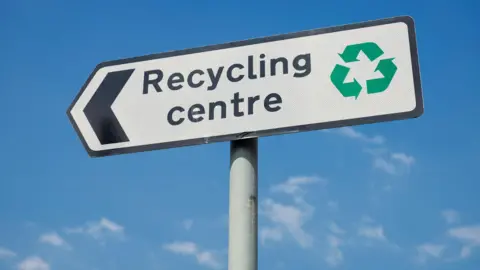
(417, 112)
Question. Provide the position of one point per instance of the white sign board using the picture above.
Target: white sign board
(325, 78)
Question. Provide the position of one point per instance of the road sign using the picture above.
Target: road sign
(340, 76)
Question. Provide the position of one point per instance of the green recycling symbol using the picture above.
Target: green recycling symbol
(350, 54)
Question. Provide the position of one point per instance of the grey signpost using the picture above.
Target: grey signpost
(243, 229)
(244, 90)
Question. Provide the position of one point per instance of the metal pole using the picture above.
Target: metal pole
(243, 209)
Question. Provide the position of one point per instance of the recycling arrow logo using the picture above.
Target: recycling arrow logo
(350, 54)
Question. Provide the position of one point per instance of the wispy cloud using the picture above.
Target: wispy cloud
(372, 232)
(290, 217)
(393, 163)
(6, 253)
(334, 228)
(184, 248)
(429, 250)
(99, 230)
(403, 158)
(206, 258)
(33, 263)
(384, 165)
(353, 134)
(451, 216)
(334, 255)
(187, 224)
(383, 158)
(293, 186)
(54, 239)
(469, 236)
(269, 233)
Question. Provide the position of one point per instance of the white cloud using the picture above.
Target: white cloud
(267, 233)
(372, 232)
(382, 158)
(403, 158)
(429, 250)
(433, 250)
(469, 236)
(451, 216)
(334, 254)
(54, 239)
(6, 253)
(465, 252)
(290, 217)
(334, 228)
(185, 248)
(353, 134)
(384, 165)
(99, 230)
(369, 229)
(33, 263)
(108, 225)
(187, 224)
(293, 185)
(393, 164)
(206, 258)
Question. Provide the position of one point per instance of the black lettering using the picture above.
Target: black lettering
(175, 78)
(306, 67)
(212, 106)
(230, 70)
(170, 116)
(214, 78)
(251, 75)
(251, 101)
(190, 78)
(195, 110)
(148, 81)
(273, 65)
(262, 65)
(268, 102)
(236, 108)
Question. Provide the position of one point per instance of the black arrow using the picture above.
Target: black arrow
(99, 109)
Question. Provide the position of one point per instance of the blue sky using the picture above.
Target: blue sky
(399, 195)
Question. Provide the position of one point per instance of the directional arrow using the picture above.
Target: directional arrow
(338, 76)
(388, 69)
(370, 49)
(99, 110)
